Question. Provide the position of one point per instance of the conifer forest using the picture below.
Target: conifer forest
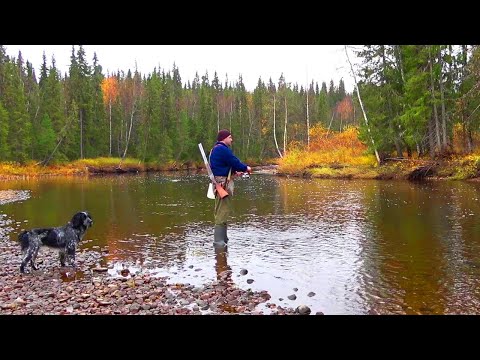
(409, 100)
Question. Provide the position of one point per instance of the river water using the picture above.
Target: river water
(389, 247)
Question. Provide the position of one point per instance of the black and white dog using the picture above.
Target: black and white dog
(63, 238)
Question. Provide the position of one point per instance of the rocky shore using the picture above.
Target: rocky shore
(89, 289)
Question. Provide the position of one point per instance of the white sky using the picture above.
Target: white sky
(318, 62)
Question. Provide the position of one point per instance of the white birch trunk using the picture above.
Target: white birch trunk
(361, 105)
(110, 111)
(285, 130)
(274, 133)
(308, 123)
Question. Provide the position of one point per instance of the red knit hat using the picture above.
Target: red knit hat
(223, 134)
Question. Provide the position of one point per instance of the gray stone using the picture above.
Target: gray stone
(303, 310)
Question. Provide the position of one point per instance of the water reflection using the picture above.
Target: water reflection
(360, 246)
(224, 272)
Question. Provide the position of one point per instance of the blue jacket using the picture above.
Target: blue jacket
(222, 159)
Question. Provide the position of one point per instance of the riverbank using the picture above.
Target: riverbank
(99, 166)
(455, 168)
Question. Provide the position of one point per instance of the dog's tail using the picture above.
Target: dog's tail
(23, 239)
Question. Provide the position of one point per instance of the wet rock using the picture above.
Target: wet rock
(249, 281)
(243, 272)
(124, 272)
(311, 293)
(47, 291)
(292, 297)
(319, 313)
(303, 310)
(295, 289)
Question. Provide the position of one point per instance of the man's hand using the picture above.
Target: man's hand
(249, 169)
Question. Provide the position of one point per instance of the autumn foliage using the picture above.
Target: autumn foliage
(344, 109)
(109, 89)
(327, 148)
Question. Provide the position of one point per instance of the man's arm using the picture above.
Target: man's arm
(235, 163)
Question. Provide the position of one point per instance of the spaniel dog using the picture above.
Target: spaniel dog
(63, 238)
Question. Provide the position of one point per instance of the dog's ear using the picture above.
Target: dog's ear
(78, 219)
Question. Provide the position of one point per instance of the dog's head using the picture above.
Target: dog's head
(82, 220)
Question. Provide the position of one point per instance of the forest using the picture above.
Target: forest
(409, 101)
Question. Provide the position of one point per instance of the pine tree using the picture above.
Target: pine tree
(98, 132)
(19, 129)
(45, 138)
(4, 148)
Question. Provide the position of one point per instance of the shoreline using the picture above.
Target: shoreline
(89, 289)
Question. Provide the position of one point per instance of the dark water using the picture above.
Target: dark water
(390, 247)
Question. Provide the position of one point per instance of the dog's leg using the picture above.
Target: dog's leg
(26, 259)
(29, 255)
(34, 257)
(71, 254)
(62, 256)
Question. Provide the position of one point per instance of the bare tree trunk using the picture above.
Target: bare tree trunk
(249, 132)
(431, 136)
(218, 119)
(285, 130)
(274, 132)
(120, 136)
(435, 114)
(110, 111)
(400, 65)
(308, 123)
(331, 120)
(127, 140)
(361, 105)
(467, 133)
(442, 98)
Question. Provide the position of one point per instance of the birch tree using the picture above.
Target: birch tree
(361, 105)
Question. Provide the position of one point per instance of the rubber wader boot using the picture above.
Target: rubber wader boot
(220, 236)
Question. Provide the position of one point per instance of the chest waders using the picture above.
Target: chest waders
(223, 210)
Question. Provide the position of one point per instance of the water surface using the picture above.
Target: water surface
(387, 246)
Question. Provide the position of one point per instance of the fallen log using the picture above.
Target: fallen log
(421, 173)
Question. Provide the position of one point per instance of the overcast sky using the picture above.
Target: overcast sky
(297, 62)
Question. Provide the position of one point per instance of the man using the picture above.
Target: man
(224, 164)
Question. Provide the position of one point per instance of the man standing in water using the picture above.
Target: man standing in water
(223, 163)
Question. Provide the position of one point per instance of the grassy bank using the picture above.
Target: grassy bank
(85, 167)
(365, 167)
(12, 170)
